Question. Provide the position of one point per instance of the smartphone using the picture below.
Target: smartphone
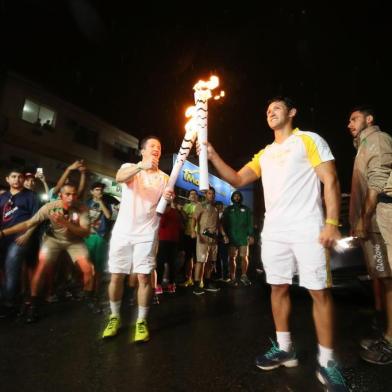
(40, 171)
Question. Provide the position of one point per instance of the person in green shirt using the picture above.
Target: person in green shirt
(238, 225)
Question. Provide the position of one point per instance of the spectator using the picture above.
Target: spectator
(69, 224)
(205, 226)
(372, 169)
(238, 225)
(65, 178)
(16, 205)
(100, 214)
(189, 236)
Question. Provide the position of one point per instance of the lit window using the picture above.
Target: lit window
(35, 113)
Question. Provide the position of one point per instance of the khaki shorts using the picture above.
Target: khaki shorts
(376, 258)
(384, 221)
(206, 251)
(242, 251)
(51, 249)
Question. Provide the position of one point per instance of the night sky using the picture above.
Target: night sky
(136, 67)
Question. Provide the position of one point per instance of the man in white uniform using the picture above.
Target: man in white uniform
(295, 234)
(134, 241)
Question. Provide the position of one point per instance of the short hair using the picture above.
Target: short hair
(193, 190)
(70, 184)
(15, 170)
(219, 203)
(144, 141)
(97, 184)
(289, 103)
(367, 110)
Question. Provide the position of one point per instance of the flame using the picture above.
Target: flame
(203, 90)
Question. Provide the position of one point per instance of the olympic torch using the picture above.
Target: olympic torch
(186, 146)
(202, 95)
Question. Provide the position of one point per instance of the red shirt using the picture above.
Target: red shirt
(170, 226)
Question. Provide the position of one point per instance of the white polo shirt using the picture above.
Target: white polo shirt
(137, 217)
(292, 190)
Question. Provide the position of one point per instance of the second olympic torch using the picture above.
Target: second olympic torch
(202, 95)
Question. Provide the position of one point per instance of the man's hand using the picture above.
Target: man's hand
(329, 235)
(251, 240)
(76, 165)
(58, 219)
(361, 229)
(168, 195)
(22, 240)
(40, 176)
(150, 163)
(211, 153)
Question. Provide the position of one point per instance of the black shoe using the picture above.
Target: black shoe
(379, 353)
(32, 315)
(211, 287)
(93, 306)
(197, 290)
(233, 283)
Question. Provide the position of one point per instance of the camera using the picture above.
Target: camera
(207, 233)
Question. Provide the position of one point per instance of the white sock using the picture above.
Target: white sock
(325, 355)
(284, 340)
(115, 308)
(142, 312)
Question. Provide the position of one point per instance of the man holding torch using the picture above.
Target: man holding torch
(295, 234)
(134, 241)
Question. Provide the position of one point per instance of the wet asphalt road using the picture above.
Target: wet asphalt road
(197, 344)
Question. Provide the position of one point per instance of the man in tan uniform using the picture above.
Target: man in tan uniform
(370, 206)
(69, 224)
(205, 225)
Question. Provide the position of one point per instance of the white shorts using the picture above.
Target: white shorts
(126, 257)
(310, 260)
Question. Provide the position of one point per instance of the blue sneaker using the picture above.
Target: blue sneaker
(331, 377)
(276, 357)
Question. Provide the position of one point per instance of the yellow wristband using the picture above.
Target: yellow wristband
(333, 222)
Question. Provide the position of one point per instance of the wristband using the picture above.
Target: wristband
(333, 222)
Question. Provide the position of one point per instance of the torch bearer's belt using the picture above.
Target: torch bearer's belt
(384, 198)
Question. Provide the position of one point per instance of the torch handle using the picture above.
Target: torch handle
(183, 153)
(161, 207)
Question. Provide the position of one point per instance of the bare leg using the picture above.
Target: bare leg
(144, 291)
(233, 267)
(323, 316)
(116, 287)
(244, 265)
(281, 307)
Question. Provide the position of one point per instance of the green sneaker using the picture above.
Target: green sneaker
(141, 331)
(112, 327)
